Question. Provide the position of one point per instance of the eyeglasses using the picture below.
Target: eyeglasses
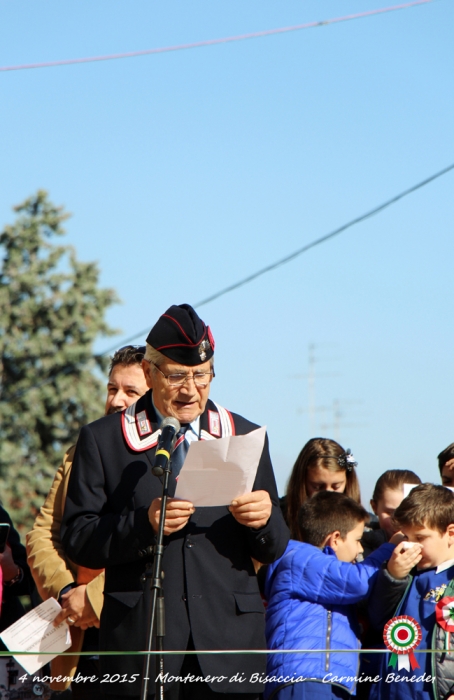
(200, 379)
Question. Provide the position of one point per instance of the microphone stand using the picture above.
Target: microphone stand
(156, 576)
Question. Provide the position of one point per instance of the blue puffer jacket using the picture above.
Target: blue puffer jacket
(311, 597)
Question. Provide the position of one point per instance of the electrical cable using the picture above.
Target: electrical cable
(212, 42)
(300, 251)
(264, 270)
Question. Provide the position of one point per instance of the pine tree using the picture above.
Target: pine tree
(51, 312)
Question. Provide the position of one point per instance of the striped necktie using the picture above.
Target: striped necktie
(180, 451)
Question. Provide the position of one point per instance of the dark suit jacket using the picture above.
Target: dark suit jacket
(210, 586)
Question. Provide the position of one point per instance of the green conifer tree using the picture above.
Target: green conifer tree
(51, 312)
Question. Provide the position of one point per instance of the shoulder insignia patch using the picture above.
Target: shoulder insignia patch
(143, 424)
(214, 423)
(137, 430)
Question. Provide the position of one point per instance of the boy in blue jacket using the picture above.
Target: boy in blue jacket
(426, 518)
(312, 591)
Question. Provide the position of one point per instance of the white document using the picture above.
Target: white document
(215, 472)
(35, 632)
(409, 487)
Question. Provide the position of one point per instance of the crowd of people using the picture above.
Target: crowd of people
(313, 572)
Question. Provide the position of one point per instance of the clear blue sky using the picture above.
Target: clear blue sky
(186, 171)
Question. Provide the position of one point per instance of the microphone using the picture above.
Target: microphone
(170, 427)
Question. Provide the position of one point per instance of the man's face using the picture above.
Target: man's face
(436, 547)
(126, 384)
(184, 402)
(348, 549)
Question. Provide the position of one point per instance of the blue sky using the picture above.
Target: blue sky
(186, 171)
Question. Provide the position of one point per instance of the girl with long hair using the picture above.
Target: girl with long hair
(322, 465)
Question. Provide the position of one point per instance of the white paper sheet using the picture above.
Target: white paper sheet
(409, 487)
(215, 472)
(35, 632)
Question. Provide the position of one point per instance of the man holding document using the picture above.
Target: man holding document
(112, 515)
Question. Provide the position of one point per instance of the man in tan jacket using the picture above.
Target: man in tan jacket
(79, 590)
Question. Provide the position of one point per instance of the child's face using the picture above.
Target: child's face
(348, 549)
(321, 479)
(436, 547)
(447, 474)
(384, 508)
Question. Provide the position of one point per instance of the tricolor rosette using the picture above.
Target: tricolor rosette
(402, 635)
(444, 614)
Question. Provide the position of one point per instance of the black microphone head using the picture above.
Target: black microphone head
(166, 443)
(172, 422)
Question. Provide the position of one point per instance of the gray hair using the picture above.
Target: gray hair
(154, 356)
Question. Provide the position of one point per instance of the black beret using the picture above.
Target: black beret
(182, 336)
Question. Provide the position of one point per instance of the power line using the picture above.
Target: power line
(213, 42)
(263, 270)
(300, 251)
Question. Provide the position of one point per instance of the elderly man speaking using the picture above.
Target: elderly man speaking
(112, 514)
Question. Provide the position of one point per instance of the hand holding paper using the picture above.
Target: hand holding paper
(216, 472)
(35, 632)
(253, 509)
(76, 607)
(177, 514)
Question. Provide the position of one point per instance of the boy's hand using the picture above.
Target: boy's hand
(403, 560)
(397, 538)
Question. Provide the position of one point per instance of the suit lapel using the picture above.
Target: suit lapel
(139, 425)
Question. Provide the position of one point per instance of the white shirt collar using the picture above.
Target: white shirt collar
(194, 426)
(445, 565)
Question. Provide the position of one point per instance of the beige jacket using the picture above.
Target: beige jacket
(51, 568)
